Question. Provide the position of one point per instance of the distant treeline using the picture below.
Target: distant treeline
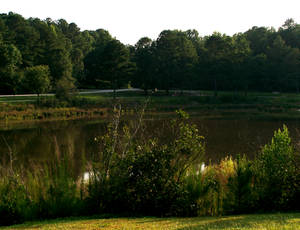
(40, 56)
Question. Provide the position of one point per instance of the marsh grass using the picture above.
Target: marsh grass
(226, 104)
(39, 192)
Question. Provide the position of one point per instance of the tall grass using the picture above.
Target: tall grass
(49, 191)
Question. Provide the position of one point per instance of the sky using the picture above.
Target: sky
(130, 20)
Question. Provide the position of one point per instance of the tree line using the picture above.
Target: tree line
(38, 56)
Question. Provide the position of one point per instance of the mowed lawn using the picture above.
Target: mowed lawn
(255, 222)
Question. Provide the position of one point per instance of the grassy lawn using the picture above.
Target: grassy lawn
(255, 222)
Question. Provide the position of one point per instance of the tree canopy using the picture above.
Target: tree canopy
(261, 59)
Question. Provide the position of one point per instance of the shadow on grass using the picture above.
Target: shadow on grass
(275, 221)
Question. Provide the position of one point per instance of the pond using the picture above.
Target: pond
(34, 143)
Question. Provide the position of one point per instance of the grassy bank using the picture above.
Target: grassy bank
(228, 105)
(47, 108)
(32, 113)
(201, 103)
(249, 222)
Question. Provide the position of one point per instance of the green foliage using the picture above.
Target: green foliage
(110, 63)
(261, 59)
(145, 62)
(36, 79)
(176, 57)
(55, 192)
(241, 198)
(13, 200)
(269, 183)
(276, 173)
(10, 59)
(144, 177)
(49, 192)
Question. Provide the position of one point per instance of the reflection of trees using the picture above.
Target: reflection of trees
(18, 141)
(74, 139)
(49, 141)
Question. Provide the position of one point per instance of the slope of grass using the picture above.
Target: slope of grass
(249, 222)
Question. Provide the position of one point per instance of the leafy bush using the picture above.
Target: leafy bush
(13, 200)
(144, 177)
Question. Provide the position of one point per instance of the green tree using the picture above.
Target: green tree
(255, 72)
(144, 59)
(19, 32)
(290, 32)
(292, 70)
(101, 37)
(10, 60)
(218, 61)
(275, 170)
(53, 49)
(240, 53)
(81, 45)
(176, 57)
(93, 76)
(260, 39)
(277, 54)
(93, 71)
(36, 79)
(111, 64)
(116, 65)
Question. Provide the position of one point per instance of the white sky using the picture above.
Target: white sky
(129, 20)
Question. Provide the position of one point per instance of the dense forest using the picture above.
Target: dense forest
(38, 56)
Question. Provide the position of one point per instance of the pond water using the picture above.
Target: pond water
(43, 141)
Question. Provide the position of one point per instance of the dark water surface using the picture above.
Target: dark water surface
(40, 142)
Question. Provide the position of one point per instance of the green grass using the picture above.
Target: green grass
(203, 97)
(249, 222)
(227, 105)
(18, 99)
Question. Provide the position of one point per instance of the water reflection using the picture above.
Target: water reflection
(53, 140)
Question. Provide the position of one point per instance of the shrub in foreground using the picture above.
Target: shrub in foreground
(144, 177)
